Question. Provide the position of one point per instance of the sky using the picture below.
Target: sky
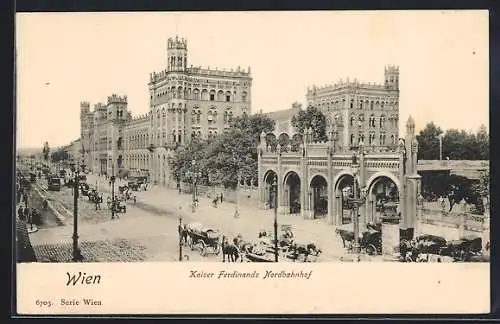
(66, 58)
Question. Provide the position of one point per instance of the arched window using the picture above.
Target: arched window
(361, 104)
(212, 116)
(212, 95)
(352, 104)
(382, 121)
(352, 139)
(228, 96)
(195, 115)
(244, 96)
(371, 104)
(196, 94)
(352, 121)
(220, 95)
(204, 94)
(228, 115)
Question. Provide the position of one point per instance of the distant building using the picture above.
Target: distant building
(366, 112)
(185, 102)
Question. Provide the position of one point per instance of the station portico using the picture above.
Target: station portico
(312, 177)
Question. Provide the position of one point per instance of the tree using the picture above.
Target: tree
(312, 118)
(46, 151)
(59, 155)
(181, 161)
(254, 125)
(428, 142)
(483, 143)
(235, 152)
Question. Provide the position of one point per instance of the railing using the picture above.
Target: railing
(453, 219)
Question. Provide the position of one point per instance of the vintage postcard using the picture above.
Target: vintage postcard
(252, 162)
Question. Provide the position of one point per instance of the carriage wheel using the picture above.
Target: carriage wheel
(370, 250)
(217, 249)
(203, 251)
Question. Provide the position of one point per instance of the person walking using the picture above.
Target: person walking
(20, 212)
(26, 213)
(221, 197)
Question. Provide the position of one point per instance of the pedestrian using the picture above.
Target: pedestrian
(221, 197)
(20, 212)
(26, 213)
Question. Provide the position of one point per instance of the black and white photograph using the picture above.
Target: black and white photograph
(230, 137)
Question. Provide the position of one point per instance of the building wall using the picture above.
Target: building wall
(184, 102)
(361, 111)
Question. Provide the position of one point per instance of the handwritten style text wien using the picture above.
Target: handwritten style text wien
(251, 275)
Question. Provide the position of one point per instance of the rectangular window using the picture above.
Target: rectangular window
(228, 98)
(212, 97)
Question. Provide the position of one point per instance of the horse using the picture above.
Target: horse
(346, 236)
(230, 250)
(243, 246)
(306, 250)
(183, 234)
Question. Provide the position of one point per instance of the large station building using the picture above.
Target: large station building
(185, 102)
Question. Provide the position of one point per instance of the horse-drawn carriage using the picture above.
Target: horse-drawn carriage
(208, 239)
(94, 196)
(463, 249)
(370, 241)
(117, 205)
(84, 188)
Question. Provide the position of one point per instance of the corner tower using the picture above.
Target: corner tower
(391, 76)
(177, 54)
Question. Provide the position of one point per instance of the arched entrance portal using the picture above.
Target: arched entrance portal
(319, 196)
(292, 192)
(269, 177)
(383, 198)
(343, 190)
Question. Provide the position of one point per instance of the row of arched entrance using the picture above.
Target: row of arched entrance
(382, 194)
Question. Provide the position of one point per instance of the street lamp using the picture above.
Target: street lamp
(193, 176)
(113, 202)
(355, 203)
(180, 238)
(274, 196)
(440, 137)
(77, 255)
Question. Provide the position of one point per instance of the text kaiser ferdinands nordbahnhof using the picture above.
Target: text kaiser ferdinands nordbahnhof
(268, 274)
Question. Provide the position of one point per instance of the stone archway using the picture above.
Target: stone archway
(291, 185)
(343, 189)
(269, 177)
(382, 197)
(318, 195)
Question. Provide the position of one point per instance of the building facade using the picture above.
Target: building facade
(366, 112)
(185, 102)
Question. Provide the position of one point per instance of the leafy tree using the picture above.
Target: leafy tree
(253, 125)
(483, 143)
(457, 144)
(312, 118)
(235, 152)
(183, 157)
(59, 155)
(46, 151)
(428, 142)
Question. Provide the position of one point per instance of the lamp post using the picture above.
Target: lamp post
(77, 256)
(180, 238)
(355, 202)
(275, 203)
(440, 137)
(193, 176)
(113, 202)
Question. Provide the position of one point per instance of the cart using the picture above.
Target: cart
(208, 239)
